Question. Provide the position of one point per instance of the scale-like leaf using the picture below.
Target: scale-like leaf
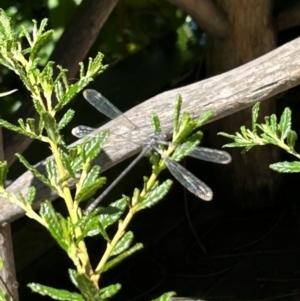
(31, 195)
(30, 124)
(291, 139)
(184, 149)
(73, 275)
(42, 40)
(22, 124)
(177, 110)
(12, 127)
(72, 91)
(273, 123)
(110, 291)
(35, 172)
(165, 297)
(47, 72)
(87, 288)
(3, 173)
(5, 25)
(89, 189)
(255, 112)
(187, 147)
(66, 160)
(155, 195)
(285, 123)
(92, 228)
(95, 65)
(66, 119)
(91, 149)
(203, 118)
(240, 144)
(51, 127)
(244, 132)
(51, 169)
(42, 27)
(92, 176)
(155, 123)
(227, 135)
(38, 106)
(123, 244)
(113, 212)
(56, 294)
(136, 196)
(268, 138)
(48, 213)
(121, 257)
(286, 167)
(186, 126)
(58, 88)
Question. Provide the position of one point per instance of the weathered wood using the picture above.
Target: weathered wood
(224, 94)
(8, 272)
(253, 183)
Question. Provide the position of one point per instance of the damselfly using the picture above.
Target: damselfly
(183, 176)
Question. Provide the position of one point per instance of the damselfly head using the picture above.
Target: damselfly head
(81, 131)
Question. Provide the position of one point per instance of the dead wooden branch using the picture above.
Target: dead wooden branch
(224, 94)
(8, 272)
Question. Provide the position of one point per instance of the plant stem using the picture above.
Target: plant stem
(72, 207)
(110, 246)
(122, 227)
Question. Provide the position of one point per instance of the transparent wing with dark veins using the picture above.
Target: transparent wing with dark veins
(103, 105)
(211, 155)
(189, 181)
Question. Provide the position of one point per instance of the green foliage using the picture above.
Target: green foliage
(76, 164)
(2, 294)
(165, 296)
(3, 173)
(56, 294)
(56, 225)
(155, 123)
(155, 195)
(87, 288)
(270, 132)
(113, 262)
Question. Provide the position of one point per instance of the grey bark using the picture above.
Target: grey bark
(8, 273)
